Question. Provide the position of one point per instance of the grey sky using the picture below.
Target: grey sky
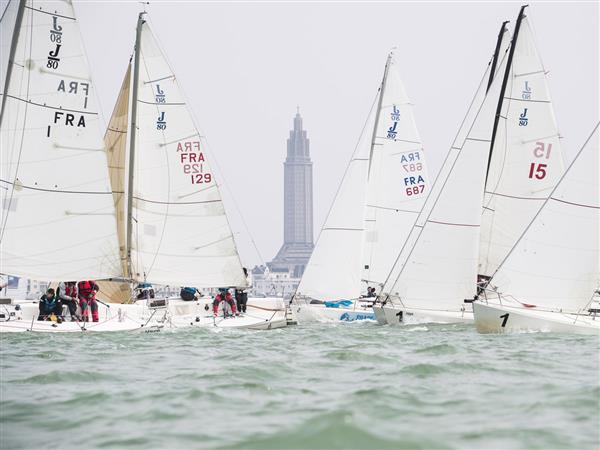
(245, 66)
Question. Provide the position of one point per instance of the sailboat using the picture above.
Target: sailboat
(548, 279)
(491, 184)
(380, 197)
(150, 212)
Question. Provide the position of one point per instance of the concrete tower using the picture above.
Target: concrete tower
(298, 204)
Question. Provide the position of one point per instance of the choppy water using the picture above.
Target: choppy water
(347, 386)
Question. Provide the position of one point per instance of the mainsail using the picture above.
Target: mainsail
(397, 180)
(58, 217)
(526, 158)
(437, 266)
(555, 263)
(379, 199)
(176, 232)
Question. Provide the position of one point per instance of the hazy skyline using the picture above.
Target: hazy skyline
(244, 68)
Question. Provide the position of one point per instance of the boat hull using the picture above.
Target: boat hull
(399, 316)
(319, 313)
(141, 316)
(496, 318)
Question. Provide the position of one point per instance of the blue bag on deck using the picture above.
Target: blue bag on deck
(338, 303)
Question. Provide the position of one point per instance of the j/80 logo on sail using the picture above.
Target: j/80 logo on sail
(55, 38)
(161, 122)
(160, 95)
(395, 116)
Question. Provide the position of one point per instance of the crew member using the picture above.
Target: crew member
(49, 304)
(224, 296)
(86, 291)
(241, 295)
(67, 295)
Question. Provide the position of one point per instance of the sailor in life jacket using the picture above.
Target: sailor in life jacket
(67, 294)
(224, 296)
(49, 306)
(86, 291)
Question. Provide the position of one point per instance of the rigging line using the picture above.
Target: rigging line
(16, 36)
(337, 192)
(545, 203)
(507, 72)
(5, 10)
(438, 175)
(222, 173)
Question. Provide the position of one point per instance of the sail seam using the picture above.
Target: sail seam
(454, 224)
(175, 203)
(59, 191)
(514, 196)
(49, 13)
(574, 204)
(50, 107)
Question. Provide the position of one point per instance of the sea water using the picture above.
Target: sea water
(350, 386)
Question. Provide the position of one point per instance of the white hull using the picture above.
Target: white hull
(398, 316)
(262, 314)
(380, 315)
(496, 318)
(359, 311)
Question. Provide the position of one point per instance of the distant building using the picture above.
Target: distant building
(297, 204)
(286, 269)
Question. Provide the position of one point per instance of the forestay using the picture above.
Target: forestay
(180, 231)
(437, 266)
(526, 158)
(555, 263)
(58, 220)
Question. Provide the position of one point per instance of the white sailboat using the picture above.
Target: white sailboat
(513, 160)
(548, 279)
(153, 213)
(379, 199)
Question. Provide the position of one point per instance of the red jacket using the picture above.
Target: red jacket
(87, 289)
(228, 298)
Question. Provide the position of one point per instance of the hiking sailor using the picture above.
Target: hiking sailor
(67, 295)
(225, 298)
(86, 291)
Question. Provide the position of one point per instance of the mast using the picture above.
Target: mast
(11, 55)
(503, 88)
(378, 111)
(496, 54)
(132, 129)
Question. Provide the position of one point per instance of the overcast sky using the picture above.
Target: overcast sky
(245, 66)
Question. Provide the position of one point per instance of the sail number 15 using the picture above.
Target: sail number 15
(538, 170)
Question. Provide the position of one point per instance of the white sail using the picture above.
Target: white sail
(180, 231)
(397, 181)
(437, 266)
(334, 268)
(526, 158)
(555, 264)
(58, 220)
